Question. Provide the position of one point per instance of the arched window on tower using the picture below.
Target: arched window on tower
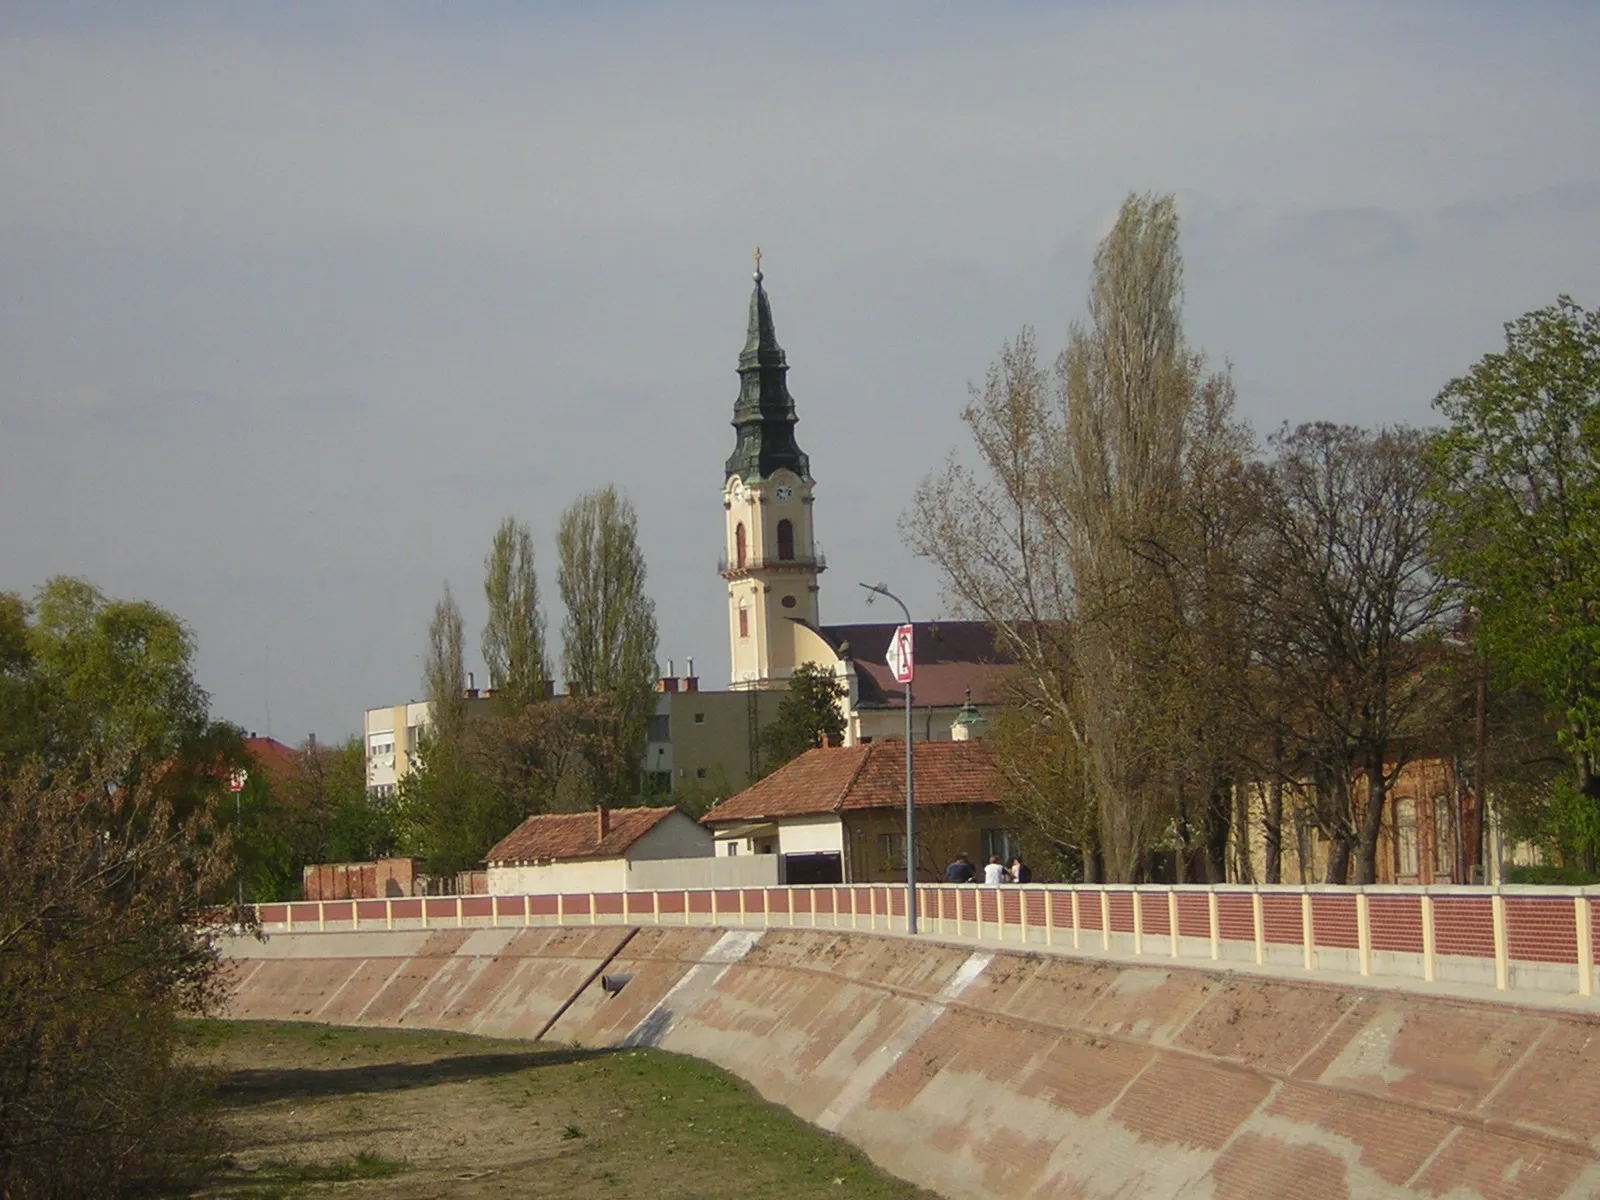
(738, 545)
(786, 540)
(744, 621)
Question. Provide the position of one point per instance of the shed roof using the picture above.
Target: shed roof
(562, 836)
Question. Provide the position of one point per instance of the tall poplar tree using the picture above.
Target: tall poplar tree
(608, 638)
(513, 636)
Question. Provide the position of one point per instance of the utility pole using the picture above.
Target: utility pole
(911, 809)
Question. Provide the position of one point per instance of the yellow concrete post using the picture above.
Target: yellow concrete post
(561, 908)
(1429, 951)
(1363, 933)
(594, 910)
(1260, 927)
(459, 920)
(1172, 919)
(852, 906)
(424, 903)
(655, 904)
(766, 908)
(1502, 951)
(1216, 924)
(288, 918)
(1308, 934)
(1049, 918)
(1105, 919)
(322, 916)
(388, 913)
(1077, 920)
(1138, 923)
(742, 906)
(494, 912)
(355, 913)
(812, 892)
(1583, 920)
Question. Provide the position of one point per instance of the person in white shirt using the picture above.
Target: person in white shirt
(993, 873)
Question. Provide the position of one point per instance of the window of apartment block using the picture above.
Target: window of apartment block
(700, 773)
(660, 728)
(699, 718)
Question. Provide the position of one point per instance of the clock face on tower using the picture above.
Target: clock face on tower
(783, 491)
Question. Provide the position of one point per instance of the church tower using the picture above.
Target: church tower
(772, 560)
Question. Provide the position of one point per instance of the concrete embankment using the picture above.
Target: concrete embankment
(984, 1073)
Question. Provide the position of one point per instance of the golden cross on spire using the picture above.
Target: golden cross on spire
(758, 261)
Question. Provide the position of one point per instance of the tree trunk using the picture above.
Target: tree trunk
(1180, 825)
(1244, 868)
(1371, 820)
(1333, 790)
(1218, 818)
(1272, 831)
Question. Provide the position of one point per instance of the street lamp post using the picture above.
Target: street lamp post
(911, 809)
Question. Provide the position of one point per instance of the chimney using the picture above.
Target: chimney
(669, 681)
(603, 822)
(691, 682)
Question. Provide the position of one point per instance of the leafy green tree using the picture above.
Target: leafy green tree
(809, 715)
(111, 849)
(608, 639)
(1517, 478)
(444, 670)
(111, 675)
(513, 636)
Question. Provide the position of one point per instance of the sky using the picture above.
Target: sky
(298, 302)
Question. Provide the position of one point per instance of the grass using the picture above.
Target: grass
(363, 1112)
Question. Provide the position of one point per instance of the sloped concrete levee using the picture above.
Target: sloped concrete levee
(980, 1072)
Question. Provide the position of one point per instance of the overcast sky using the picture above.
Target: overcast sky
(296, 302)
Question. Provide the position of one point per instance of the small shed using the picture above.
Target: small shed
(591, 851)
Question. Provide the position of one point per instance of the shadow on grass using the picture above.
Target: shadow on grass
(240, 1089)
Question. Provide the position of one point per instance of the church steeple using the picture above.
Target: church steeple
(764, 416)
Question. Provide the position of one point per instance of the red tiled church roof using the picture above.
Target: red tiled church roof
(837, 779)
(575, 835)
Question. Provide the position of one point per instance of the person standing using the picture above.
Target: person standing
(960, 871)
(993, 873)
(1020, 871)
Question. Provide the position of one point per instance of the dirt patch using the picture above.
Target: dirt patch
(313, 1110)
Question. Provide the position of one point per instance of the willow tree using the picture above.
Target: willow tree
(513, 635)
(608, 638)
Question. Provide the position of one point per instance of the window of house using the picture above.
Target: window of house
(1405, 823)
(999, 843)
(699, 718)
(785, 540)
(892, 851)
(733, 849)
(744, 621)
(738, 544)
(1444, 836)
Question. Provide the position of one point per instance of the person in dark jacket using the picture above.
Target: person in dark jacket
(1020, 871)
(960, 871)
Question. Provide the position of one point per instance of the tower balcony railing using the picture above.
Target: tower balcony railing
(802, 560)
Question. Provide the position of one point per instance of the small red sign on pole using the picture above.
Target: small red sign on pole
(899, 657)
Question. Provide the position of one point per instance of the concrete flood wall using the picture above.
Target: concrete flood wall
(978, 1072)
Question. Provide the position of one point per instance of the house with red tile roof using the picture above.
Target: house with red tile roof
(837, 813)
(595, 851)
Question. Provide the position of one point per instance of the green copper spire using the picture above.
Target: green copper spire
(763, 416)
